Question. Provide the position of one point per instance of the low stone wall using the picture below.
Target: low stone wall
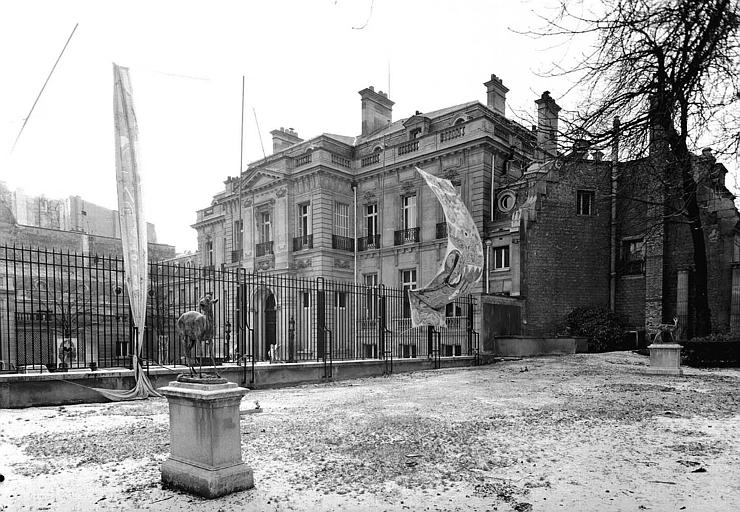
(27, 390)
(527, 346)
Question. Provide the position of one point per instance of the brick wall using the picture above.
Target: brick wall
(669, 246)
(566, 256)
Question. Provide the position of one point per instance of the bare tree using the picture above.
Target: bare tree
(69, 305)
(669, 71)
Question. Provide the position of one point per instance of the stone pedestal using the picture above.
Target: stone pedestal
(665, 359)
(205, 440)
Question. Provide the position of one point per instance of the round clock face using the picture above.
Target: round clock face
(506, 201)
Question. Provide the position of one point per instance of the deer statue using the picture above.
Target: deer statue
(197, 327)
(660, 329)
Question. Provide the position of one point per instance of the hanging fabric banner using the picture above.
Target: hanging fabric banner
(463, 262)
(133, 225)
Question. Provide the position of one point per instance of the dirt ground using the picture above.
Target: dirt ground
(582, 432)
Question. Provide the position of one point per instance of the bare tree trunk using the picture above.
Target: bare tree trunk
(703, 324)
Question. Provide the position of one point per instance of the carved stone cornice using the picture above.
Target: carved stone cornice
(265, 205)
(408, 187)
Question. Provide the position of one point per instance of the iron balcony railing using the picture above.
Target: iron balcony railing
(302, 242)
(264, 248)
(236, 256)
(368, 242)
(406, 236)
(441, 230)
(343, 243)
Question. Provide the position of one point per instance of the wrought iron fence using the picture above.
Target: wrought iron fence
(64, 310)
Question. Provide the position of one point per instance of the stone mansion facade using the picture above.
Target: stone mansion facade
(300, 210)
(354, 209)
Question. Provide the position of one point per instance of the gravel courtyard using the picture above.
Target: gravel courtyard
(583, 432)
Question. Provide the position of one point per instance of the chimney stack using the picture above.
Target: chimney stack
(547, 123)
(284, 138)
(496, 95)
(377, 110)
(580, 148)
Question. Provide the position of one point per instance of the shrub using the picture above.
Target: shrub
(712, 350)
(603, 328)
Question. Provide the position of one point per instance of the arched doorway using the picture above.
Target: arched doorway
(270, 323)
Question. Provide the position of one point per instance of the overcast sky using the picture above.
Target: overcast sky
(304, 62)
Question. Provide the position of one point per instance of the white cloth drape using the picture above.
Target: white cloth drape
(132, 222)
(463, 262)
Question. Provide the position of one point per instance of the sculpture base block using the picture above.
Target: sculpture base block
(207, 483)
(665, 359)
(204, 379)
(205, 439)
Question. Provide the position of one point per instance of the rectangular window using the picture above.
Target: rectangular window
(304, 219)
(306, 300)
(371, 217)
(265, 227)
(633, 256)
(409, 212)
(371, 295)
(238, 234)
(121, 348)
(209, 253)
(408, 282)
(585, 202)
(634, 250)
(453, 309)
(341, 219)
(501, 258)
(340, 300)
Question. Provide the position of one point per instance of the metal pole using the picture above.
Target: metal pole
(488, 266)
(356, 287)
(25, 121)
(239, 180)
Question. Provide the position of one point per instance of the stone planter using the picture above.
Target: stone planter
(205, 440)
(665, 359)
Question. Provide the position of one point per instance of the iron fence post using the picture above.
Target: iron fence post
(291, 340)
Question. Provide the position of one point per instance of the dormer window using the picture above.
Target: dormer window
(459, 120)
(415, 134)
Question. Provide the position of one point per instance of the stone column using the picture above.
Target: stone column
(249, 234)
(735, 301)
(205, 440)
(682, 303)
(654, 271)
